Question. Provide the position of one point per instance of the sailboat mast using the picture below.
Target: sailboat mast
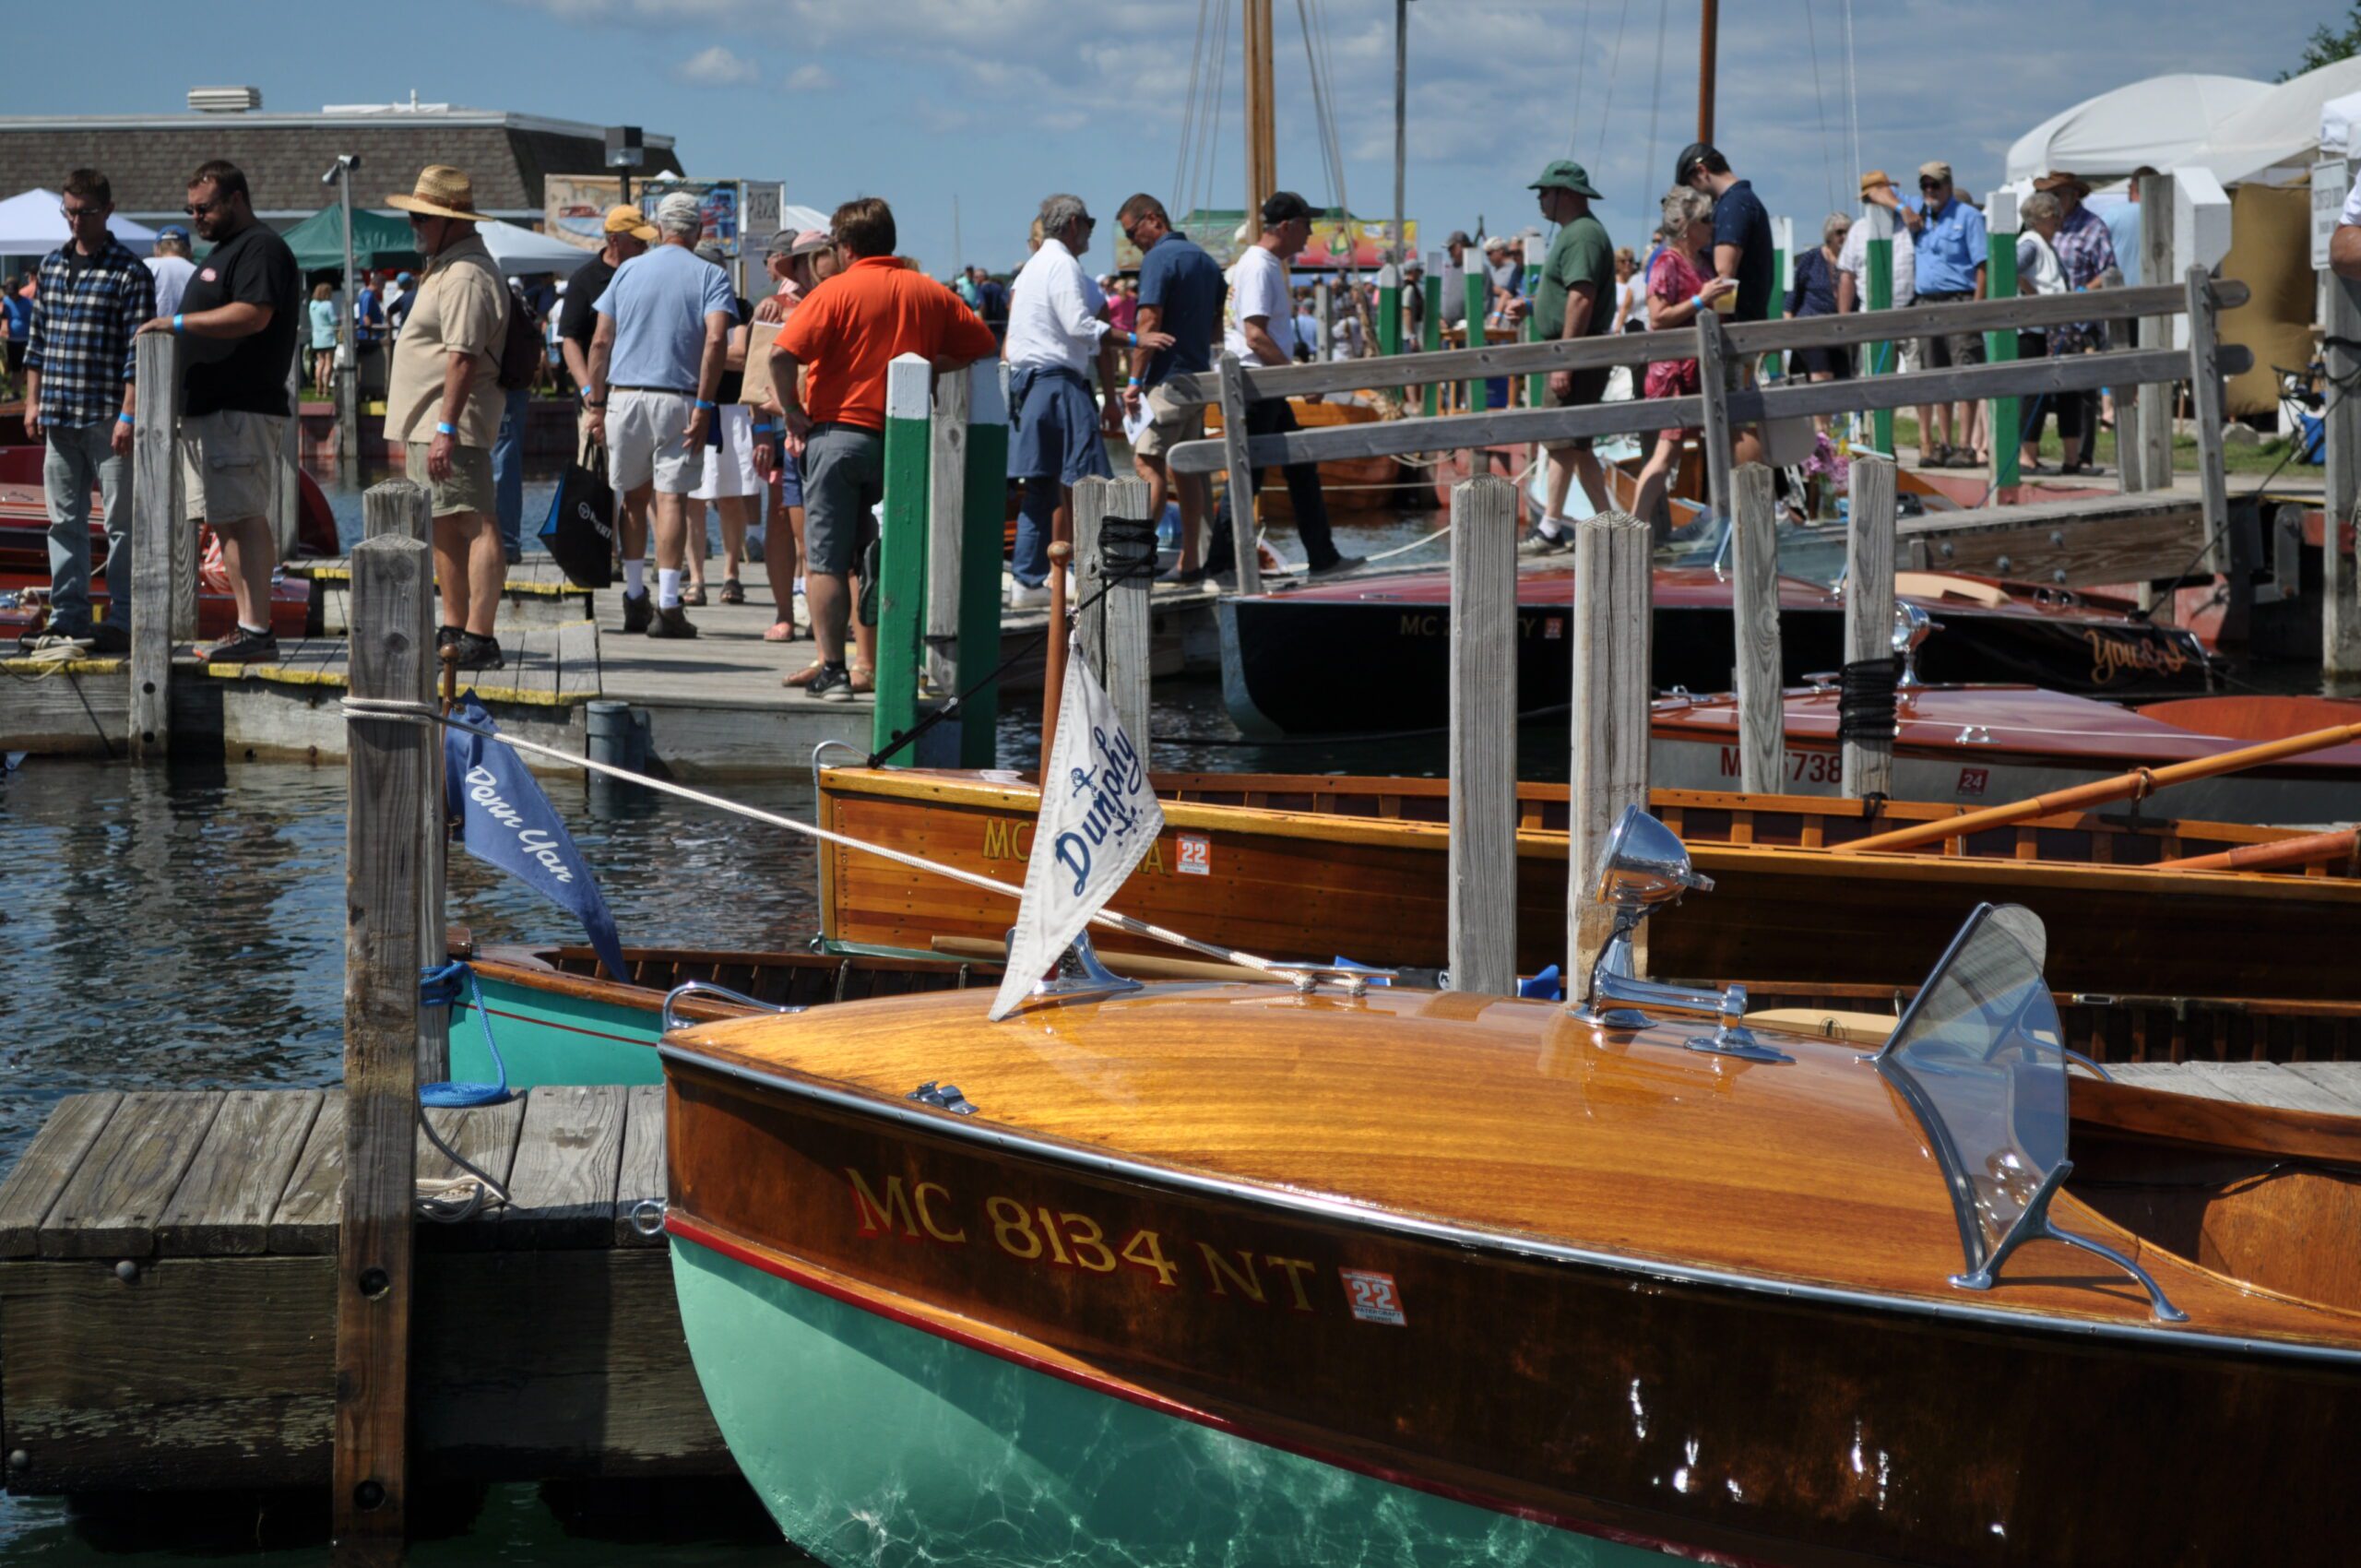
(1261, 143)
(1710, 25)
(1401, 126)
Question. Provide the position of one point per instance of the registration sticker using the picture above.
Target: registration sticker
(1373, 1297)
(1972, 781)
(1195, 855)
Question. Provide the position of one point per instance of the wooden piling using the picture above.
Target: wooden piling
(2205, 405)
(2156, 266)
(1754, 569)
(1868, 608)
(1613, 594)
(286, 513)
(1241, 474)
(155, 507)
(390, 770)
(1431, 327)
(1054, 665)
(1115, 629)
(986, 485)
(901, 572)
(946, 496)
(1478, 281)
(1389, 303)
(1482, 911)
(1714, 383)
(2006, 415)
(1878, 358)
(399, 509)
(2341, 504)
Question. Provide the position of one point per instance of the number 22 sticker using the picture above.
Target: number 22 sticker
(1373, 1297)
(1195, 857)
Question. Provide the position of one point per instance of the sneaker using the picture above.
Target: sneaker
(242, 647)
(833, 683)
(479, 653)
(109, 636)
(732, 591)
(1184, 576)
(1341, 564)
(639, 610)
(694, 594)
(670, 622)
(446, 636)
(1544, 542)
(1022, 596)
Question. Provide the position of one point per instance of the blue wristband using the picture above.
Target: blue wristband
(1697, 301)
(705, 405)
(441, 429)
(176, 325)
(123, 419)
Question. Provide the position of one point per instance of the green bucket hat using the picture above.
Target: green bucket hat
(1567, 174)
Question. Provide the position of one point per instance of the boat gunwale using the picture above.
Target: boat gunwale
(1346, 1212)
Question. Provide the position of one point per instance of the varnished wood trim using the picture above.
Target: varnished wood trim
(2217, 1123)
(1345, 1211)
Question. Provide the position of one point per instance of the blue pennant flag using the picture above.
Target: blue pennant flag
(506, 821)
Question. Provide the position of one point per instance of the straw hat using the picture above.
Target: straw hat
(442, 192)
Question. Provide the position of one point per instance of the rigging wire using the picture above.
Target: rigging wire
(1582, 68)
(1614, 68)
(1655, 101)
(1827, 163)
(1852, 92)
(1319, 107)
(1189, 108)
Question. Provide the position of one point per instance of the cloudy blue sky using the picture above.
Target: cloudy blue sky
(1001, 102)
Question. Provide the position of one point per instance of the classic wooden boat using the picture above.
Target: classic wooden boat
(1237, 1274)
(1315, 868)
(1369, 654)
(1981, 745)
(1349, 484)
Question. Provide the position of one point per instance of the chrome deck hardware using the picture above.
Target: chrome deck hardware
(943, 1097)
(706, 988)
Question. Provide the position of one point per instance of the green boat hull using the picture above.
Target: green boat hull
(546, 1037)
(875, 1442)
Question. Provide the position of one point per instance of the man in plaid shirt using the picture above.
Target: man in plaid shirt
(93, 295)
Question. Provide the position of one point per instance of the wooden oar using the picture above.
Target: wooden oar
(2307, 848)
(2137, 784)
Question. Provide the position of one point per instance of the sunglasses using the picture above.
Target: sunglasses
(202, 208)
(1933, 184)
(75, 214)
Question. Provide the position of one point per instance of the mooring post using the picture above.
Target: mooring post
(1754, 571)
(1430, 326)
(1479, 295)
(1783, 256)
(985, 484)
(2000, 346)
(946, 496)
(389, 771)
(401, 509)
(155, 519)
(2205, 406)
(1115, 629)
(2341, 504)
(1323, 321)
(1241, 474)
(1389, 307)
(1868, 764)
(1878, 358)
(284, 516)
(2156, 266)
(901, 572)
(1613, 612)
(1090, 506)
(1713, 383)
(1482, 949)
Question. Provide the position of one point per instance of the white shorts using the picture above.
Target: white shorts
(730, 468)
(643, 434)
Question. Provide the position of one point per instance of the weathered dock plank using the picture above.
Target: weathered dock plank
(305, 1219)
(47, 1164)
(110, 1206)
(642, 1176)
(224, 1205)
(562, 1189)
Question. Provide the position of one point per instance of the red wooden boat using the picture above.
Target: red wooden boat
(24, 556)
(1369, 654)
(1983, 745)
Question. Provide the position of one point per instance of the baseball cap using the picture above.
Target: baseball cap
(1696, 152)
(678, 207)
(1935, 169)
(404, 278)
(624, 219)
(1459, 237)
(1566, 174)
(1876, 179)
(171, 231)
(709, 251)
(1283, 206)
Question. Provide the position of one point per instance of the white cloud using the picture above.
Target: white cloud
(717, 66)
(810, 78)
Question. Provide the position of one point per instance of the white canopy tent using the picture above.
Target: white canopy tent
(2161, 122)
(2276, 138)
(2340, 127)
(518, 250)
(31, 224)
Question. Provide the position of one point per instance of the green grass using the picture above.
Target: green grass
(2255, 459)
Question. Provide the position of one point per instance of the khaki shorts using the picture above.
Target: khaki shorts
(645, 441)
(1169, 423)
(468, 490)
(230, 462)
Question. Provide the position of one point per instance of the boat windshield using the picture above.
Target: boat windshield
(1980, 1058)
(1816, 552)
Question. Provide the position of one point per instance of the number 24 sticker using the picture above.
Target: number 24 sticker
(1195, 856)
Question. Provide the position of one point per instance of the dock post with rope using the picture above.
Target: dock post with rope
(1867, 760)
(155, 511)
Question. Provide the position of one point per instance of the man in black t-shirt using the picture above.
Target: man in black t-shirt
(628, 234)
(238, 320)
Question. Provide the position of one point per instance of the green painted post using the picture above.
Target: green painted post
(1479, 295)
(980, 552)
(901, 572)
(1783, 250)
(1431, 333)
(1536, 252)
(1880, 262)
(1389, 310)
(2001, 278)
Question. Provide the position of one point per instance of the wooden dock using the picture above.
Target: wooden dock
(168, 1297)
(167, 1291)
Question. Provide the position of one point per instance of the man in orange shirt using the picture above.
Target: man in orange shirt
(849, 329)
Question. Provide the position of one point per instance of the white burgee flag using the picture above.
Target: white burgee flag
(1099, 817)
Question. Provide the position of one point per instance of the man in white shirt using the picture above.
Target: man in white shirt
(1853, 260)
(2345, 244)
(171, 267)
(1257, 310)
(1055, 331)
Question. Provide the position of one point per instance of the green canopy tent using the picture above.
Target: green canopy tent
(377, 241)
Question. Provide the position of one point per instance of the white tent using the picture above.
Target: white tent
(2161, 122)
(31, 224)
(518, 250)
(2276, 138)
(2340, 127)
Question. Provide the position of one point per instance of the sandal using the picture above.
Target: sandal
(781, 632)
(732, 593)
(805, 676)
(694, 594)
(864, 679)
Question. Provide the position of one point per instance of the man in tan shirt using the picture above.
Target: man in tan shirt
(444, 403)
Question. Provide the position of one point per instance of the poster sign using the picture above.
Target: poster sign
(574, 206)
(763, 199)
(717, 199)
(2331, 182)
